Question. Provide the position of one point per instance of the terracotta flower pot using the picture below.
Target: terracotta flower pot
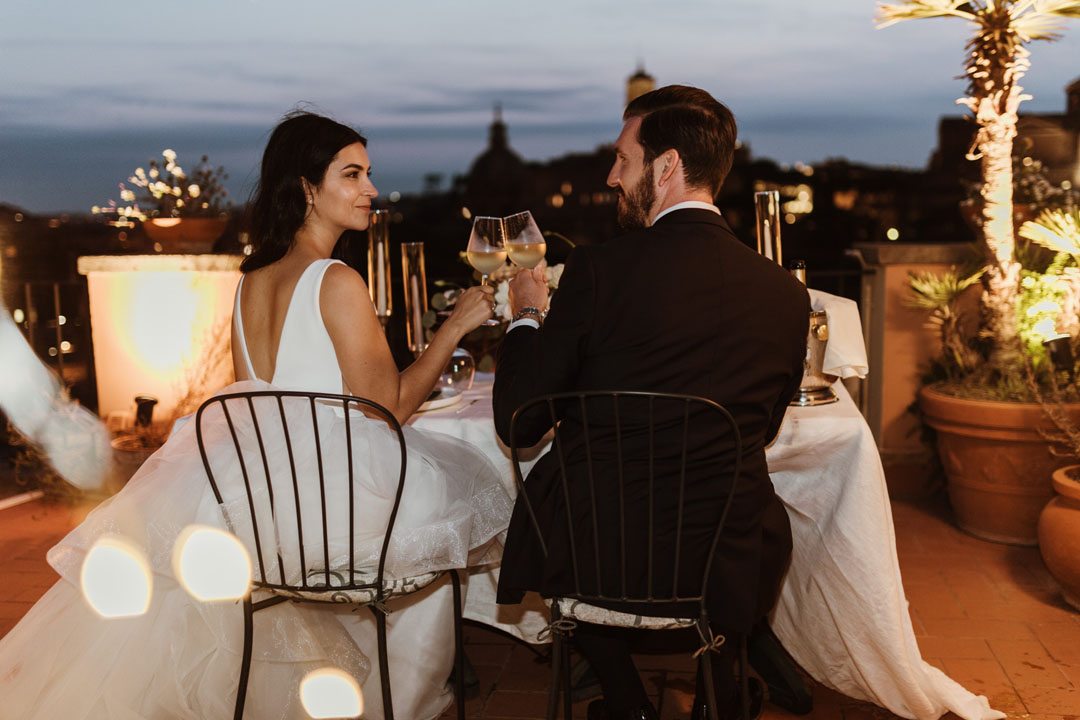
(1059, 534)
(997, 465)
(184, 236)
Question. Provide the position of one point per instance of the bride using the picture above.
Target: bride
(301, 321)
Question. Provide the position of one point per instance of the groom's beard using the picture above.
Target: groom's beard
(634, 206)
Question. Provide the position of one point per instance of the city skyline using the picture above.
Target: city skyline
(89, 91)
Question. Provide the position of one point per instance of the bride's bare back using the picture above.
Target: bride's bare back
(264, 304)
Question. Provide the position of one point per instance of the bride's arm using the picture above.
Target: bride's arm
(363, 354)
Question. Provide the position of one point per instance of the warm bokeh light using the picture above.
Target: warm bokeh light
(116, 578)
(157, 322)
(211, 564)
(331, 693)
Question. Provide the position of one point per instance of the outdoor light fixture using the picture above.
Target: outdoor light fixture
(331, 693)
(116, 578)
(1059, 348)
(211, 564)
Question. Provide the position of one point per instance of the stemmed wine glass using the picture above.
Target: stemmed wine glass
(524, 242)
(487, 249)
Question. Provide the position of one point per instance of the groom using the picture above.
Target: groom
(679, 305)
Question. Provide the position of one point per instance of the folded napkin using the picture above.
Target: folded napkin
(845, 351)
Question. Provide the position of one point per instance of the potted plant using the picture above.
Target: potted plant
(997, 466)
(181, 213)
(1059, 521)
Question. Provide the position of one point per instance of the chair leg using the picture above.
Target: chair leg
(384, 663)
(245, 663)
(459, 646)
(568, 690)
(705, 665)
(744, 678)
(556, 675)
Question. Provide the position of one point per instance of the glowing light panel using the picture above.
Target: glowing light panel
(211, 564)
(331, 693)
(116, 578)
(157, 324)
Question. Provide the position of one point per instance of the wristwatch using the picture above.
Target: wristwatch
(523, 312)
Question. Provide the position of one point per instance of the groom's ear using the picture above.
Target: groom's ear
(667, 163)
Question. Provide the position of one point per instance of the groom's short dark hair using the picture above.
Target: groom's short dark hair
(693, 123)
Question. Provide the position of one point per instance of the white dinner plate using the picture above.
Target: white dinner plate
(444, 397)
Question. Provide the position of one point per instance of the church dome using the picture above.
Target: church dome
(498, 176)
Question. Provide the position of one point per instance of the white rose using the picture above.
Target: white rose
(502, 301)
(127, 196)
(169, 155)
(552, 275)
(154, 173)
(193, 190)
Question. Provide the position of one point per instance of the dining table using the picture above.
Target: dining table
(842, 613)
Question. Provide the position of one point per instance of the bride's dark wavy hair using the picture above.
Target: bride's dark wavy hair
(300, 148)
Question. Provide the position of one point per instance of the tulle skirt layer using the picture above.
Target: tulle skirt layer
(182, 658)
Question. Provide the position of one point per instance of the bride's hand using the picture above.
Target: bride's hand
(473, 307)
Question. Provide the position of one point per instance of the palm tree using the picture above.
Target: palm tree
(997, 57)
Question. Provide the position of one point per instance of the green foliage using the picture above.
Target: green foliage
(1041, 298)
(939, 296)
(1057, 230)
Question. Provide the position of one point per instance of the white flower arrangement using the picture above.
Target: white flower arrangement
(500, 279)
(170, 192)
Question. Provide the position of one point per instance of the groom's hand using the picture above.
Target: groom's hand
(528, 289)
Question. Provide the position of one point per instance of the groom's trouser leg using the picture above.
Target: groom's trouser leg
(608, 651)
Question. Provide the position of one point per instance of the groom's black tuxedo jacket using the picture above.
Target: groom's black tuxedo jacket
(680, 307)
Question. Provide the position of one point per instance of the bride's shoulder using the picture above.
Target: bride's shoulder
(342, 282)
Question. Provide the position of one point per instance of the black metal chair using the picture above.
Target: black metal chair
(615, 464)
(263, 415)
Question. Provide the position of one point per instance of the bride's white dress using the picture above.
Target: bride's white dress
(181, 659)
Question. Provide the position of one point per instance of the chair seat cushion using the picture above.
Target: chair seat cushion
(578, 610)
(319, 592)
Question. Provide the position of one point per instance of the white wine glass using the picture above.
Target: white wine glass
(525, 243)
(487, 249)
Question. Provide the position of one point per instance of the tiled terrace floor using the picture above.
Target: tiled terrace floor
(989, 615)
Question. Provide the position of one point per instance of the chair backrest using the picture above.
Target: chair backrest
(281, 465)
(651, 474)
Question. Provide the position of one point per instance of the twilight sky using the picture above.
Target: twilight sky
(89, 89)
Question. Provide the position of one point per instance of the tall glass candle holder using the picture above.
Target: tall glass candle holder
(767, 207)
(378, 263)
(416, 304)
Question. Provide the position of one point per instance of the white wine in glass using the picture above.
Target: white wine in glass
(486, 251)
(486, 261)
(524, 242)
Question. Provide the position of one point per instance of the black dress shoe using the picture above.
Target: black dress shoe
(584, 685)
(733, 710)
(598, 711)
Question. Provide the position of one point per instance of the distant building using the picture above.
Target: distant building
(638, 84)
(498, 180)
(1053, 139)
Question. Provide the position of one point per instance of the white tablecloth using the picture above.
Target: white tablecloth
(842, 612)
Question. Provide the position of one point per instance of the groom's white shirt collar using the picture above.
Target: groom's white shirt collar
(685, 205)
